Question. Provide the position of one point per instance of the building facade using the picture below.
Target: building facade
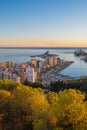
(30, 74)
(51, 60)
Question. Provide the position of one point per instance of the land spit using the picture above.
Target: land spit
(53, 73)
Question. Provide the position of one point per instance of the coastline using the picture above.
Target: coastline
(54, 73)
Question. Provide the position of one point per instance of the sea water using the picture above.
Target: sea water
(22, 55)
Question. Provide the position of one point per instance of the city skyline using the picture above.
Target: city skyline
(47, 23)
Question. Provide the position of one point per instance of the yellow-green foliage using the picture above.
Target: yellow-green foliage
(27, 108)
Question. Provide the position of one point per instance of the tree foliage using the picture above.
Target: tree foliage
(26, 108)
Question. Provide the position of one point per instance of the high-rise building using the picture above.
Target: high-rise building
(9, 64)
(34, 62)
(23, 77)
(51, 60)
(30, 74)
(39, 65)
(55, 60)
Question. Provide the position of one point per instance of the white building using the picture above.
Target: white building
(15, 78)
(8, 75)
(30, 74)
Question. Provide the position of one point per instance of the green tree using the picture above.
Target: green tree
(4, 97)
(70, 107)
(19, 115)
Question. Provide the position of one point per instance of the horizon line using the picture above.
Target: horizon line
(39, 47)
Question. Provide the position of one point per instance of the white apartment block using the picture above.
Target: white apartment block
(30, 74)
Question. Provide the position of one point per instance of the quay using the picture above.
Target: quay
(54, 73)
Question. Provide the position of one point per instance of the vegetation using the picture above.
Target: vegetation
(34, 85)
(80, 84)
(26, 108)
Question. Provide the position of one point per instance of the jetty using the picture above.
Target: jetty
(44, 55)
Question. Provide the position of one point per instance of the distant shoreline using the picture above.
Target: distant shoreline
(43, 47)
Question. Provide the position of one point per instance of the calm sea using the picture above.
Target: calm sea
(21, 55)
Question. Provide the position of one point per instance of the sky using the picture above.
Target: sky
(45, 23)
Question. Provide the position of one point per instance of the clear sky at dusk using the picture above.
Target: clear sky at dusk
(43, 23)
